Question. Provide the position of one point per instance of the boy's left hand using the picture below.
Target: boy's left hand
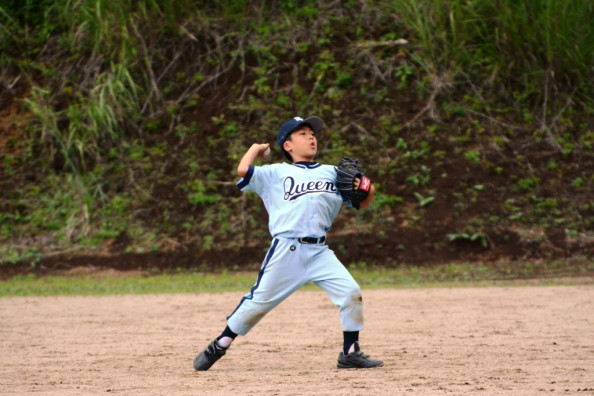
(351, 182)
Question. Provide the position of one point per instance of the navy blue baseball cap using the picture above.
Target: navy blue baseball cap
(315, 123)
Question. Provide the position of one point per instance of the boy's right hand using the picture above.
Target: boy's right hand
(263, 149)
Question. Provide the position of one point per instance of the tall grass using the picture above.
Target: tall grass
(539, 50)
(533, 47)
(530, 45)
(91, 97)
(82, 130)
(104, 65)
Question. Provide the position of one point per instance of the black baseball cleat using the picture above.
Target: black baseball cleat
(209, 356)
(357, 359)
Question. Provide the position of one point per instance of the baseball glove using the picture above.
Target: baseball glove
(347, 170)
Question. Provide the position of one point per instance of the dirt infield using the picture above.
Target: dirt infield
(492, 340)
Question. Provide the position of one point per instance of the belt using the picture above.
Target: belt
(312, 240)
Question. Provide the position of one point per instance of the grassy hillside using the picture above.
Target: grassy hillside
(121, 125)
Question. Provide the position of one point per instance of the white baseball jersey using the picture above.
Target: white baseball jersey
(301, 198)
(302, 201)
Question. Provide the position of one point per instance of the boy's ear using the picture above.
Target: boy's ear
(287, 145)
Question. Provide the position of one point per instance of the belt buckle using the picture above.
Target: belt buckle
(311, 240)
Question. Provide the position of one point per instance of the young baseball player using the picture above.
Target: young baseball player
(302, 201)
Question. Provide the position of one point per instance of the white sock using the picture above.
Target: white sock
(225, 342)
(352, 348)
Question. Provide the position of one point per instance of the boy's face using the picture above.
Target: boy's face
(302, 144)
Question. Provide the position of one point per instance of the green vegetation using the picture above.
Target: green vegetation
(122, 122)
(447, 275)
(87, 285)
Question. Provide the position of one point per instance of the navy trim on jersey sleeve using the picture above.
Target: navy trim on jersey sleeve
(246, 179)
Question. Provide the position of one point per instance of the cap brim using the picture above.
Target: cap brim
(314, 122)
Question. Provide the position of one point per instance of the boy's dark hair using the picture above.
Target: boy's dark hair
(287, 155)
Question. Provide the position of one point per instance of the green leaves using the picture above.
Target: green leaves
(478, 237)
(423, 201)
(199, 195)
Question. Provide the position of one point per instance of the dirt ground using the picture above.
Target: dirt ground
(484, 340)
